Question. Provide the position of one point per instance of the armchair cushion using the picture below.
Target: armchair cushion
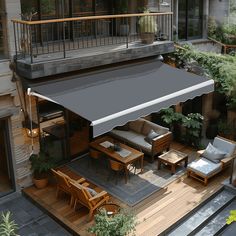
(91, 191)
(204, 167)
(151, 135)
(213, 154)
(225, 146)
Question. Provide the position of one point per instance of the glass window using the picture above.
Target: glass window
(3, 41)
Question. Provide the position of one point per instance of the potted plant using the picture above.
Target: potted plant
(148, 28)
(41, 164)
(120, 224)
(8, 227)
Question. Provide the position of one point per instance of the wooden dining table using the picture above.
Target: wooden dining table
(133, 155)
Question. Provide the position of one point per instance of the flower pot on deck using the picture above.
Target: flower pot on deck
(40, 183)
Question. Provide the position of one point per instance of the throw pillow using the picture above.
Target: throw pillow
(213, 154)
(91, 191)
(152, 134)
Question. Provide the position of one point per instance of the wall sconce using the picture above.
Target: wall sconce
(32, 129)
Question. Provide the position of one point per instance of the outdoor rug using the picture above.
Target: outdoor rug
(139, 186)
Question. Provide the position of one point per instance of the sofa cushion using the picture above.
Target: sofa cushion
(224, 146)
(151, 135)
(124, 135)
(139, 142)
(204, 167)
(148, 126)
(213, 154)
(136, 125)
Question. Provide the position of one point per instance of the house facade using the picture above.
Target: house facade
(70, 47)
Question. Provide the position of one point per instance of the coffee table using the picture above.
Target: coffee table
(172, 158)
(134, 155)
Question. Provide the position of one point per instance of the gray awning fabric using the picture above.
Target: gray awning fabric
(110, 98)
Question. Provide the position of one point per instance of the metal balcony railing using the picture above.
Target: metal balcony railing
(60, 36)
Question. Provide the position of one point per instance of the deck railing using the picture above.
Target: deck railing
(60, 36)
(226, 48)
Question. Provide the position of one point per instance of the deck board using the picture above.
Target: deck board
(154, 214)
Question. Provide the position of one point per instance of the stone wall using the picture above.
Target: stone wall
(10, 106)
(219, 10)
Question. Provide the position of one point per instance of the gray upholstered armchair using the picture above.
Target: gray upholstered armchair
(213, 159)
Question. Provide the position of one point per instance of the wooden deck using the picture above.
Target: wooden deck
(155, 214)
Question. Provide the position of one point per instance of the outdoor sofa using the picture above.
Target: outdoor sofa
(216, 157)
(139, 134)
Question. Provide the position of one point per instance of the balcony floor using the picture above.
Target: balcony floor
(155, 214)
(51, 61)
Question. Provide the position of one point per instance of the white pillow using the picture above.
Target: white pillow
(213, 154)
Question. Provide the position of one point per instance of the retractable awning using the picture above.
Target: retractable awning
(112, 97)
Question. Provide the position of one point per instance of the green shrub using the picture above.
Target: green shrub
(121, 224)
(231, 218)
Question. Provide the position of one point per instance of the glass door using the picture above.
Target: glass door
(194, 23)
(190, 20)
(6, 172)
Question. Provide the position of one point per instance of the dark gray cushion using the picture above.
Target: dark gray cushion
(151, 135)
(213, 154)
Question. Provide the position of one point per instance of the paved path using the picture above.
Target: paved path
(30, 219)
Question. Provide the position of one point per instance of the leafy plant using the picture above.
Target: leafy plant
(231, 218)
(121, 224)
(193, 124)
(221, 68)
(170, 117)
(41, 164)
(147, 24)
(8, 227)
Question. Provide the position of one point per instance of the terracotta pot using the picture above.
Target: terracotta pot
(40, 183)
(147, 38)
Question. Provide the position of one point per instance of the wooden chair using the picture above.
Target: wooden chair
(64, 183)
(116, 169)
(83, 196)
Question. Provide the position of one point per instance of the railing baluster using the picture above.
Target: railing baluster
(64, 43)
(31, 46)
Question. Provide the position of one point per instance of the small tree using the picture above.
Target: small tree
(8, 227)
(121, 224)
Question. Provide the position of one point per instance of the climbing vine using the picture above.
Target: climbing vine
(221, 68)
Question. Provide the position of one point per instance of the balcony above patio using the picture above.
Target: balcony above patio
(50, 47)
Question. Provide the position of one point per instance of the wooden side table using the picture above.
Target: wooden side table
(172, 158)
